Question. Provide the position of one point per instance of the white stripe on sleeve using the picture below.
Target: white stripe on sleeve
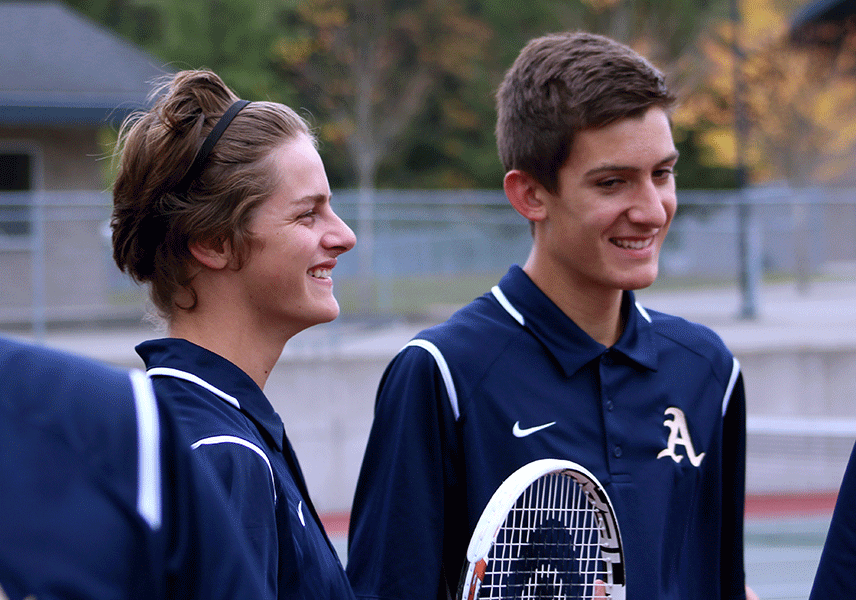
(735, 371)
(444, 371)
(149, 493)
(232, 439)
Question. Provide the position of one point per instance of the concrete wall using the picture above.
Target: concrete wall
(801, 404)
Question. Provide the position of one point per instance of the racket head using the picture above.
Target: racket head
(518, 550)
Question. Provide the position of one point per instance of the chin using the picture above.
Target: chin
(329, 314)
(640, 281)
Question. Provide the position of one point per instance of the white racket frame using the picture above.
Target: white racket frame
(506, 496)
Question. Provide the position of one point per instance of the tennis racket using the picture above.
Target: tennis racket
(549, 531)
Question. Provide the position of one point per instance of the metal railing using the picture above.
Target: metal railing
(419, 250)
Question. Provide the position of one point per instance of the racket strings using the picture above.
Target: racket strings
(549, 545)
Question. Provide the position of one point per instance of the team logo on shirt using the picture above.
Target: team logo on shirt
(679, 435)
(520, 432)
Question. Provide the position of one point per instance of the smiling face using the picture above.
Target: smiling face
(296, 238)
(602, 231)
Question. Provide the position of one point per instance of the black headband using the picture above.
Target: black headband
(208, 145)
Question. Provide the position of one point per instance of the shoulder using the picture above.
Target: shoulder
(203, 412)
(88, 402)
(474, 333)
(455, 356)
(42, 368)
(683, 336)
(236, 458)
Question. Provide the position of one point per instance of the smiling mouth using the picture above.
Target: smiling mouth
(632, 244)
(320, 273)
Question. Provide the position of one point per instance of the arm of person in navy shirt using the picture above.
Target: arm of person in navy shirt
(836, 572)
(733, 496)
(100, 496)
(209, 555)
(242, 474)
(401, 514)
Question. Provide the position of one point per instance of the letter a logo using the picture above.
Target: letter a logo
(679, 435)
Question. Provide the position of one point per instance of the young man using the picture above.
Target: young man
(559, 360)
(99, 496)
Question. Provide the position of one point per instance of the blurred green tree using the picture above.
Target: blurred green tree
(402, 91)
(370, 66)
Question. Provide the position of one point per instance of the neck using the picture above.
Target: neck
(597, 311)
(252, 351)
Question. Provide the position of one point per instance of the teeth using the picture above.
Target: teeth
(631, 245)
(320, 273)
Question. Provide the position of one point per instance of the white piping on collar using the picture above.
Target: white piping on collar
(643, 312)
(177, 374)
(500, 297)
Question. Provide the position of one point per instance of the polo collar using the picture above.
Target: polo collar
(571, 346)
(179, 358)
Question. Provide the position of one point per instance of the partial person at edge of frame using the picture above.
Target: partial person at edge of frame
(100, 497)
(836, 572)
(223, 207)
(560, 361)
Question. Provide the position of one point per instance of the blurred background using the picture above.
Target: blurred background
(763, 248)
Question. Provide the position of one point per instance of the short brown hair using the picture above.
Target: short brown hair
(154, 220)
(564, 83)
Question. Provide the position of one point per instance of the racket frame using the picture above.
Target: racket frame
(505, 497)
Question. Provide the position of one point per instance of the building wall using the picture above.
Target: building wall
(68, 157)
(61, 263)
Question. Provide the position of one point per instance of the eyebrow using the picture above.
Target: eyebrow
(313, 199)
(612, 168)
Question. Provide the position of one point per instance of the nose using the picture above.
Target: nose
(654, 205)
(340, 237)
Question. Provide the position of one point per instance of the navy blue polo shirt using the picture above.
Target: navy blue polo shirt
(836, 573)
(233, 427)
(99, 497)
(658, 418)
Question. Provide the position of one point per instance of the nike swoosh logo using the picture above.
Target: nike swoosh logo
(518, 432)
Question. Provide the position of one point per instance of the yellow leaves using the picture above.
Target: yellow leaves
(721, 146)
(800, 102)
(336, 132)
(460, 114)
(324, 14)
(293, 51)
(762, 24)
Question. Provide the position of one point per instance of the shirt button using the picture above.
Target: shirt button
(617, 451)
(609, 405)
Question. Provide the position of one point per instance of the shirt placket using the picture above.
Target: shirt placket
(613, 439)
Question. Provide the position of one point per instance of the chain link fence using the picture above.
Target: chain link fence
(419, 252)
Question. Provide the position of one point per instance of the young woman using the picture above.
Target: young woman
(223, 207)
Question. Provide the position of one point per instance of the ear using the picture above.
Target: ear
(525, 194)
(215, 253)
